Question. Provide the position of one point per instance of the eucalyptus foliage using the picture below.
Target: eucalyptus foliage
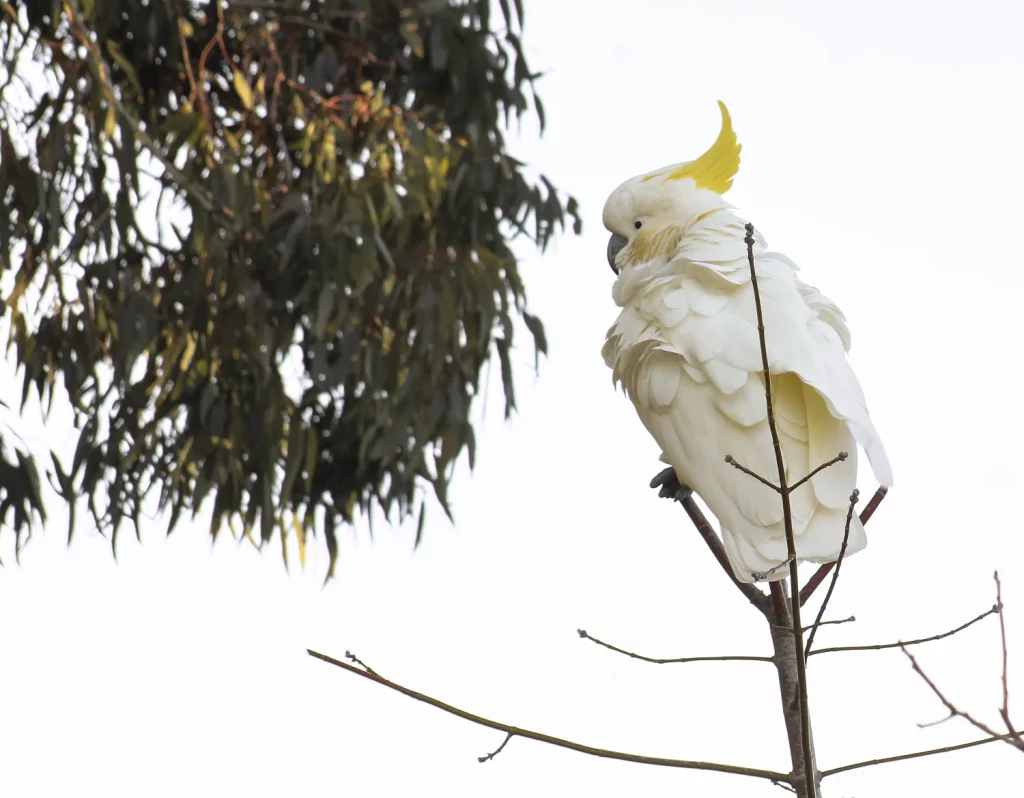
(300, 333)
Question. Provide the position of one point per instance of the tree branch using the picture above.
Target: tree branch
(950, 707)
(674, 660)
(903, 643)
(515, 731)
(1004, 711)
(837, 459)
(669, 487)
(916, 754)
(809, 777)
(823, 571)
(740, 467)
(835, 573)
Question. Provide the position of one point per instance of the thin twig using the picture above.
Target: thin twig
(739, 467)
(916, 754)
(837, 459)
(663, 481)
(515, 731)
(674, 660)
(1005, 709)
(904, 643)
(496, 751)
(950, 707)
(823, 571)
(788, 628)
(810, 788)
(835, 573)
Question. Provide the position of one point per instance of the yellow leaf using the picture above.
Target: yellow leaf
(110, 124)
(190, 351)
(242, 87)
(300, 534)
(387, 337)
(185, 27)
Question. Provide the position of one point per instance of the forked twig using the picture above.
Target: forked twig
(515, 731)
(904, 643)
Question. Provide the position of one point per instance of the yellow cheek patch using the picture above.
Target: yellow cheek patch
(647, 246)
(716, 168)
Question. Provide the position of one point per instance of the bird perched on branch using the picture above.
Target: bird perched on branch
(686, 350)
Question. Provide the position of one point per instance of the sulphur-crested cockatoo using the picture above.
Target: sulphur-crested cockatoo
(685, 348)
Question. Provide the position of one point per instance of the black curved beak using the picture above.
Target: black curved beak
(615, 244)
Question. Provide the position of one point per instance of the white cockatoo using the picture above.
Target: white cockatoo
(686, 350)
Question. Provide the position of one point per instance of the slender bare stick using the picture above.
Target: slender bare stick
(950, 707)
(674, 660)
(740, 467)
(835, 573)
(930, 752)
(903, 644)
(1004, 711)
(823, 571)
(664, 481)
(809, 786)
(515, 731)
(837, 459)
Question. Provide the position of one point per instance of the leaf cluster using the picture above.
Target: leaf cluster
(299, 333)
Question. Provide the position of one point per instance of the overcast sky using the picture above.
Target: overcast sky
(882, 152)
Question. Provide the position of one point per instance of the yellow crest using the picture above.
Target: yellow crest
(716, 168)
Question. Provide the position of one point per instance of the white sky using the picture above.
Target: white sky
(881, 152)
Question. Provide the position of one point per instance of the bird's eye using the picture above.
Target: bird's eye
(638, 224)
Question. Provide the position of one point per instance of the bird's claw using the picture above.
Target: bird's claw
(670, 487)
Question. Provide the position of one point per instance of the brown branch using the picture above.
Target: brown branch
(668, 485)
(674, 660)
(739, 467)
(837, 459)
(916, 754)
(835, 573)
(823, 571)
(954, 711)
(903, 643)
(1004, 711)
(515, 731)
(809, 786)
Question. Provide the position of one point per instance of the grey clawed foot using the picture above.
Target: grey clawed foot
(670, 487)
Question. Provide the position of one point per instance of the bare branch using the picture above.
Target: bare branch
(496, 751)
(1004, 711)
(737, 658)
(930, 752)
(835, 574)
(668, 485)
(515, 731)
(903, 644)
(739, 467)
(816, 624)
(823, 571)
(809, 786)
(837, 459)
(950, 707)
